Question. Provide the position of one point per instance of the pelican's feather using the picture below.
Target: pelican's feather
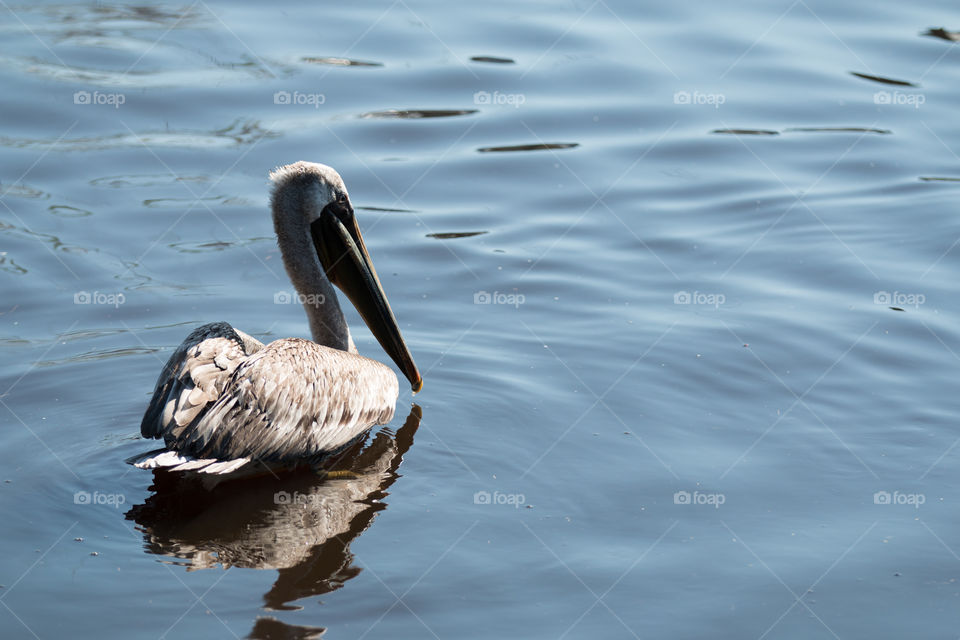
(290, 400)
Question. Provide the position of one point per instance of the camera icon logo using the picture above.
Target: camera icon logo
(481, 97)
(681, 297)
(82, 297)
(681, 97)
(681, 497)
(81, 97)
(881, 497)
(81, 497)
(882, 297)
(482, 297)
(481, 497)
(882, 97)
(281, 97)
(282, 497)
(282, 297)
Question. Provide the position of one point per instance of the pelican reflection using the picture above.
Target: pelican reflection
(301, 523)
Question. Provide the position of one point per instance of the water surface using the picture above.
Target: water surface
(680, 280)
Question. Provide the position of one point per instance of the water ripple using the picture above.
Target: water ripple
(240, 132)
(882, 79)
(414, 114)
(542, 146)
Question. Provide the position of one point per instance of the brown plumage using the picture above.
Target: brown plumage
(224, 399)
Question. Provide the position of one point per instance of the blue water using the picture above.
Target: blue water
(688, 353)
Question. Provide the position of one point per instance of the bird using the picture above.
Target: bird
(225, 400)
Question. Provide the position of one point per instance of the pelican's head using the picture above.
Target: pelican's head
(317, 192)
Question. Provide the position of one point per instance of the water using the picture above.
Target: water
(665, 391)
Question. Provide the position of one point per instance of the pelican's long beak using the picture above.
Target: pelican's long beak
(347, 264)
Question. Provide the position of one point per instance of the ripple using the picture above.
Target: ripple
(198, 74)
(90, 334)
(144, 180)
(493, 60)
(105, 354)
(455, 234)
(386, 209)
(97, 16)
(342, 62)
(943, 34)
(883, 80)
(179, 203)
(747, 132)
(7, 264)
(22, 191)
(838, 130)
(542, 146)
(65, 211)
(54, 241)
(209, 247)
(237, 133)
(413, 114)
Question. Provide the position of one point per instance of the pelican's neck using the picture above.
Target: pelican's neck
(328, 326)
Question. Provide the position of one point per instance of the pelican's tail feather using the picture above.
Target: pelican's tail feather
(173, 461)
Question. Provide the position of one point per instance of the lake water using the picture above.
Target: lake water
(680, 279)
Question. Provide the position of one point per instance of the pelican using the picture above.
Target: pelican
(224, 399)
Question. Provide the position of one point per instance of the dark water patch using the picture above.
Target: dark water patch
(939, 179)
(143, 13)
(837, 130)
(493, 60)
(747, 132)
(542, 146)
(456, 234)
(416, 114)
(883, 80)
(943, 34)
(341, 62)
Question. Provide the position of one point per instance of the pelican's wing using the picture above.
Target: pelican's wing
(292, 400)
(194, 377)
